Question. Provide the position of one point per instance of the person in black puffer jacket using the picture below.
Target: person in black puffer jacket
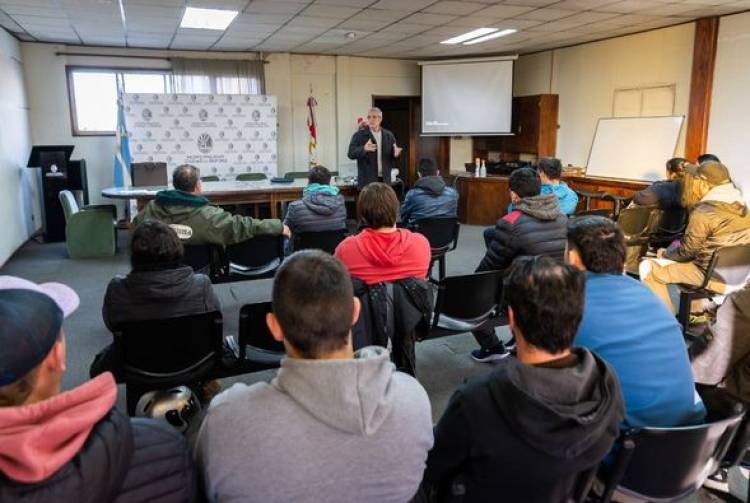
(536, 226)
(75, 445)
(321, 207)
(430, 198)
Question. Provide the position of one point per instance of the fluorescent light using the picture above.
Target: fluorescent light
(207, 19)
(497, 34)
(468, 36)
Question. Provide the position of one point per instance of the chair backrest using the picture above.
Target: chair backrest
(256, 252)
(634, 221)
(199, 257)
(210, 178)
(440, 232)
(147, 174)
(470, 296)
(169, 347)
(253, 330)
(321, 240)
(670, 463)
(69, 203)
(251, 177)
(731, 264)
(601, 212)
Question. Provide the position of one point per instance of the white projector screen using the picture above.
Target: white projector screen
(635, 148)
(467, 98)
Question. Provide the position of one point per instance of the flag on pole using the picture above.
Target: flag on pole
(313, 128)
(121, 168)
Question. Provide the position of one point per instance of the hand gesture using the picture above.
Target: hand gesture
(396, 150)
(370, 146)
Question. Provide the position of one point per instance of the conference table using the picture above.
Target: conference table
(235, 192)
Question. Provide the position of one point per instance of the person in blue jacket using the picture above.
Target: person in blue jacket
(430, 197)
(550, 170)
(632, 330)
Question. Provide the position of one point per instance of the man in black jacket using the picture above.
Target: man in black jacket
(374, 149)
(664, 194)
(430, 197)
(525, 431)
(73, 445)
(536, 226)
(321, 207)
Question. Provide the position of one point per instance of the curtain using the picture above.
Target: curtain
(209, 76)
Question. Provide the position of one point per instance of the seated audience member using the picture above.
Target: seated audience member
(158, 286)
(665, 195)
(536, 226)
(196, 220)
(524, 431)
(382, 252)
(334, 425)
(725, 359)
(73, 445)
(718, 217)
(624, 323)
(550, 171)
(321, 207)
(430, 197)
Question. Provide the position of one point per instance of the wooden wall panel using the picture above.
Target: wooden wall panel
(701, 86)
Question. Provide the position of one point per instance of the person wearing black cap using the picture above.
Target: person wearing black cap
(719, 217)
(72, 445)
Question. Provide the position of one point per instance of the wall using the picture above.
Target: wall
(586, 77)
(19, 199)
(343, 87)
(728, 132)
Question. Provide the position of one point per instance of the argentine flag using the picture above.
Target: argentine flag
(122, 150)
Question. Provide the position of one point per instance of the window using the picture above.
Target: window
(93, 95)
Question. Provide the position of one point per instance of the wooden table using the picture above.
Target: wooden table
(482, 200)
(232, 192)
(616, 187)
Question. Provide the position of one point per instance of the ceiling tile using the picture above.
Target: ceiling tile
(547, 14)
(503, 11)
(347, 3)
(591, 17)
(629, 6)
(429, 19)
(258, 18)
(275, 7)
(454, 7)
(403, 5)
(333, 11)
(409, 28)
(317, 22)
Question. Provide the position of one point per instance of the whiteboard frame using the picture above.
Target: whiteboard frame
(591, 147)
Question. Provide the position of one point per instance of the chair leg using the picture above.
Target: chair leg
(441, 268)
(683, 312)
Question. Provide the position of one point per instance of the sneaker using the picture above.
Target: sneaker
(489, 355)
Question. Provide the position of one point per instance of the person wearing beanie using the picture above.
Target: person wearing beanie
(719, 217)
(73, 445)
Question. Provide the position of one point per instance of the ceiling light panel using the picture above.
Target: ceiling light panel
(207, 19)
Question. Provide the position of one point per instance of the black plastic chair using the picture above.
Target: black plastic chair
(601, 212)
(321, 240)
(204, 259)
(256, 258)
(162, 353)
(636, 223)
(670, 225)
(442, 233)
(256, 344)
(587, 197)
(730, 265)
(668, 464)
(466, 302)
(618, 203)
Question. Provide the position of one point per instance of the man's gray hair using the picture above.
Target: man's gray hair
(377, 111)
(185, 177)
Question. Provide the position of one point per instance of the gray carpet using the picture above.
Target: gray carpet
(442, 364)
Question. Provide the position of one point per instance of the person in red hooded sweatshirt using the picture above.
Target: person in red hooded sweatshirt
(382, 252)
(73, 446)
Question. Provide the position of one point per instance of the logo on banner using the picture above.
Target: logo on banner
(239, 134)
(186, 134)
(146, 115)
(256, 115)
(238, 110)
(149, 134)
(178, 147)
(256, 134)
(184, 110)
(221, 110)
(165, 110)
(176, 122)
(248, 146)
(211, 97)
(273, 110)
(193, 97)
(230, 146)
(174, 97)
(167, 134)
(205, 143)
(229, 98)
(202, 115)
(136, 97)
(139, 147)
(158, 147)
(264, 98)
(221, 134)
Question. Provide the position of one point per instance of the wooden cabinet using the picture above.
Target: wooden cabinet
(534, 126)
(482, 201)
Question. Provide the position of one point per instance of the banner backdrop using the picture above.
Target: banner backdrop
(221, 134)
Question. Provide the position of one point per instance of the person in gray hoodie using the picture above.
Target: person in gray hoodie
(321, 207)
(524, 432)
(430, 197)
(333, 425)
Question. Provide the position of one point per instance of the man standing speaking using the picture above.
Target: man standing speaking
(375, 149)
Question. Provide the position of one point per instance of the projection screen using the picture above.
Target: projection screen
(471, 97)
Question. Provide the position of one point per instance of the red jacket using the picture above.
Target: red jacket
(376, 257)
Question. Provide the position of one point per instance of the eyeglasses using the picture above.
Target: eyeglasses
(373, 116)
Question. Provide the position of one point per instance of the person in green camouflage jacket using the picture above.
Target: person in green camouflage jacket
(196, 221)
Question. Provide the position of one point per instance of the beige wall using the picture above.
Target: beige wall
(19, 199)
(586, 76)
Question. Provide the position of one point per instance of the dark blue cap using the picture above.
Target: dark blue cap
(30, 323)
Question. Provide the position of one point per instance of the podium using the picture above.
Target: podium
(59, 173)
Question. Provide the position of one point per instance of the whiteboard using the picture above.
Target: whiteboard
(634, 148)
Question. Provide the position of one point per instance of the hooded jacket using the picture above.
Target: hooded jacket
(166, 293)
(376, 257)
(536, 226)
(204, 223)
(566, 197)
(523, 433)
(721, 218)
(76, 447)
(430, 198)
(316, 211)
(321, 431)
